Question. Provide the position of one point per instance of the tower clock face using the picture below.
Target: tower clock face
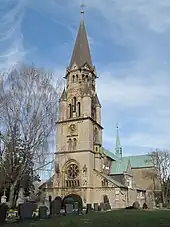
(72, 128)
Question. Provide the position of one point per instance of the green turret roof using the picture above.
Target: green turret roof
(117, 138)
(118, 148)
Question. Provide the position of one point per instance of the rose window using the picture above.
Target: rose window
(72, 171)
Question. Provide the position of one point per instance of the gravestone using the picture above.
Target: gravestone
(106, 206)
(27, 209)
(56, 206)
(3, 213)
(102, 206)
(96, 207)
(50, 204)
(69, 208)
(76, 207)
(43, 212)
(89, 208)
(21, 198)
(109, 206)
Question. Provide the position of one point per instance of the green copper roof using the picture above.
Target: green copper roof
(110, 154)
(140, 161)
(119, 166)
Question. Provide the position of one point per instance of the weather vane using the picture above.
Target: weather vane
(117, 125)
(82, 8)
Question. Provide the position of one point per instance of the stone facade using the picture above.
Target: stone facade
(82, 165)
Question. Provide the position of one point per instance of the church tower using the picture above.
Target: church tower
(79, 130)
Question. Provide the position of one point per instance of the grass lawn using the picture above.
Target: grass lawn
(121, 218)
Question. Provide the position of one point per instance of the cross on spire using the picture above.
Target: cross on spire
(82, 9)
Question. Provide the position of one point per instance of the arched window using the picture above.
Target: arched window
(77, 78)
(74, 104)
(96, 135)
(74, 144)
(73, 78)
(69, 144)
(70, 110)
(79, 109)
(87, 77)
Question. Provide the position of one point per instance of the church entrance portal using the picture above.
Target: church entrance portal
(72, 199)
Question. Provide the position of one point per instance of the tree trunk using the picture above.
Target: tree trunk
(166, 192)
(163, 195)
(11, 195)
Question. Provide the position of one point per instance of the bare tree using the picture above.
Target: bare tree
(29, 102)
(161, 162)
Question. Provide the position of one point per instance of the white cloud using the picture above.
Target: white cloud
(133, 91)
(154, 13)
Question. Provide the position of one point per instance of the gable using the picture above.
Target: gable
(111, 180)
(129, 168)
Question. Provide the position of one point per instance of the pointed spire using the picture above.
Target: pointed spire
(81, 53)
(118, 144)
(63, 96)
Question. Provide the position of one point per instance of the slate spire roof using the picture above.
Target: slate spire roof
(81, 52)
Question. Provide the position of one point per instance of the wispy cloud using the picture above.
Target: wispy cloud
(11, 37)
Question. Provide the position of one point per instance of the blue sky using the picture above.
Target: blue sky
(130, 48)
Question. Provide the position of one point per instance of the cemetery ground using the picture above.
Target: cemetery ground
(117, 218)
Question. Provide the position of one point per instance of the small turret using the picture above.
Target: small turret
(118, 148)
(63, 106)
(63, 96)
(98, 109)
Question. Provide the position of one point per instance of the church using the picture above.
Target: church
(84, 169)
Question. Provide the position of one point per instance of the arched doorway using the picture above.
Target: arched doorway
(73, 199)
